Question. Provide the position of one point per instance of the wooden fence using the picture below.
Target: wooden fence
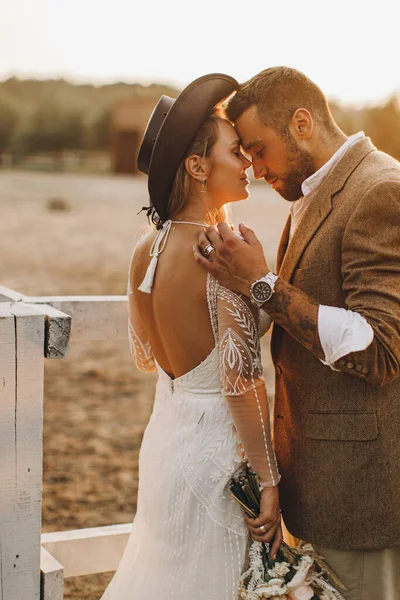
(33, 565)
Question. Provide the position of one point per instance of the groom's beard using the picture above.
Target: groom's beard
(300, 167)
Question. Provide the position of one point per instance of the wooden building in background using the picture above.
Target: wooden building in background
(128, 123)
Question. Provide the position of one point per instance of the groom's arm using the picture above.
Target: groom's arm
(372, 292)
(296, 312)
(237, 265)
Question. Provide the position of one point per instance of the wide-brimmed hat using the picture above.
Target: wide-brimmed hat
(171, 129)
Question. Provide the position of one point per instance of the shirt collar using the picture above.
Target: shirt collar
(312, 183)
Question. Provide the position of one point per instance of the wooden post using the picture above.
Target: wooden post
(30, 329)
(21, 411)
(52, 577)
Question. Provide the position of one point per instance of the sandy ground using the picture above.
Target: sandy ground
(96, 403)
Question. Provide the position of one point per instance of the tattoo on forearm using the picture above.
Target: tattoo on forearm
(297, 313)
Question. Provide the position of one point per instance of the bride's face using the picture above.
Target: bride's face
(227, 181)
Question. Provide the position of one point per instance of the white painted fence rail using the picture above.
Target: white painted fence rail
(88, 551)
(33, 567)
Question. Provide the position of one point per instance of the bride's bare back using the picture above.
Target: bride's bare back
(175, 315)
(174, 326)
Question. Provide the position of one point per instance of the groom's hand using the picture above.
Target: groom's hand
(237, 264)
(234, 262)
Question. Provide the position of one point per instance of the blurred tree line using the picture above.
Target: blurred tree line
(55, 115)
(381, 123)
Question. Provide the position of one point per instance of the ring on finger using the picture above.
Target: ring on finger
(262, 529)
(207, 250)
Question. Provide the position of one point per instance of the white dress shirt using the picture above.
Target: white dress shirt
(340, 331)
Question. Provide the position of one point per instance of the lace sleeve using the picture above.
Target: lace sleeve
(243, 382)
(138, 341)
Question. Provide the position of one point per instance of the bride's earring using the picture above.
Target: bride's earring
(203, 186)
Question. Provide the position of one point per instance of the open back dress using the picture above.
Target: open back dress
(189, 537)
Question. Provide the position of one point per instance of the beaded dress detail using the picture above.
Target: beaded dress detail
(189, 538)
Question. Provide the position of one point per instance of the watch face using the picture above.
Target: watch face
(262, 291)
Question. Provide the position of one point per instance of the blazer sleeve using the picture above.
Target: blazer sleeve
(371, 281)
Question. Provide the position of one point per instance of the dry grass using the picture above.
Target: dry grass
(96, 403)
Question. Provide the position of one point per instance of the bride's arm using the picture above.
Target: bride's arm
(138, 340)
(244, 389)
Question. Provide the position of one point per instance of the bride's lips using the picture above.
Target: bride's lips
(245, 179)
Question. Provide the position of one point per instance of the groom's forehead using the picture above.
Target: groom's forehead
(248, 129)
(247, 140)
(248, 145)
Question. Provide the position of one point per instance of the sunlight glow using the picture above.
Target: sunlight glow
(348, 48)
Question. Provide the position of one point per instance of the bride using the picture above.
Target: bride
(189, 538)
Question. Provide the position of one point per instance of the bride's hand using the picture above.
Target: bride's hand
(269, 520)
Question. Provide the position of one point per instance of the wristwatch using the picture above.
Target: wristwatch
(263, 289)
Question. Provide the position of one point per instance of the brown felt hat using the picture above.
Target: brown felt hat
(171, 129)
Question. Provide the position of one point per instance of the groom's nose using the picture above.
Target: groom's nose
(259, 170)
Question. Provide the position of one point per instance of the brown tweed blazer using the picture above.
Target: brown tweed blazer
(337, 432)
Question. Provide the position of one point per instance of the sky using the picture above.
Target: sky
(350, 48)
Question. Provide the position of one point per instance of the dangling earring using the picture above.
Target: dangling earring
(203, 186)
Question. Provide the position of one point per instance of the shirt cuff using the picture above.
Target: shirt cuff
(341, 332)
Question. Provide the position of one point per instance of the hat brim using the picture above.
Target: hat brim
(178, 129)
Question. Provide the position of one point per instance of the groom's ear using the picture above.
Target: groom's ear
(197, 167)
(301, 124)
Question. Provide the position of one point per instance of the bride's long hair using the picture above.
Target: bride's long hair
(182, 187)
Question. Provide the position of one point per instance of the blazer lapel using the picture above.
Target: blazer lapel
(312, 219)
(320, 207)
(283, 244)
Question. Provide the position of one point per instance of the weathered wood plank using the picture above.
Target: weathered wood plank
(7, 295)
(57, 324)
(88, 551)
(51, 577)
(21, 401)
(7, 450)
(5, 309)
(57, 330)
(93, 317)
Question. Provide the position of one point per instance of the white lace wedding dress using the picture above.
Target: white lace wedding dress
(189, 537)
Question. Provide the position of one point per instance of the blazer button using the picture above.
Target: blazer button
(359, 368)
(342, 361)
(350, 365)
(364, 371)
(278, 369)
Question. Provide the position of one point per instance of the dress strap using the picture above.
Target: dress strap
(156, 248)
(189, 223)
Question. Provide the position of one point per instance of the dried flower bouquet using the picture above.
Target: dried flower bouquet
(295, 574)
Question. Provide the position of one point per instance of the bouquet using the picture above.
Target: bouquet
(295, 574)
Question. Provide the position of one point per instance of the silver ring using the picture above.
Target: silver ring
(207, 250)
(262, 529)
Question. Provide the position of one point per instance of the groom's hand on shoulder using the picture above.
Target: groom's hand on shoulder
(235, 262)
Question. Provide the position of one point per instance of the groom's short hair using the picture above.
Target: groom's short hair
(277, 93)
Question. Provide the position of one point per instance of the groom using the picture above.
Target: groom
(335, 301)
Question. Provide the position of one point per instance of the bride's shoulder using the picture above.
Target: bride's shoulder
(141, 251)
(141, 255)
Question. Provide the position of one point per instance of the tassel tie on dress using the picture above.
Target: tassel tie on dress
(157, 247)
